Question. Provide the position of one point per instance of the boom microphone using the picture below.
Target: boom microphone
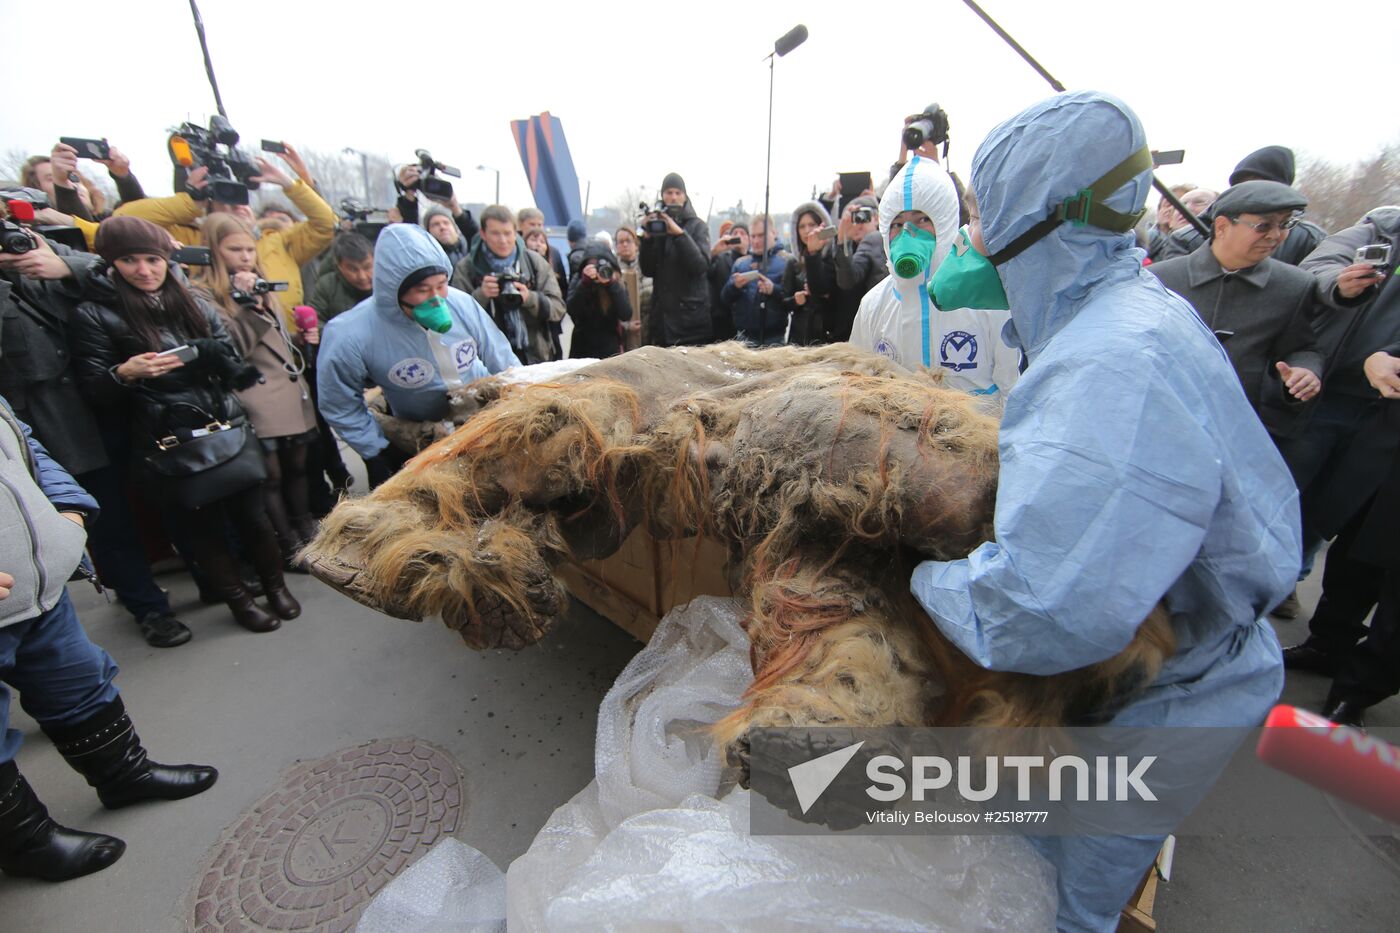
(794, 37)
(1340, 760)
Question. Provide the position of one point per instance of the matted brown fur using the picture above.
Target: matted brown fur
(828, 471)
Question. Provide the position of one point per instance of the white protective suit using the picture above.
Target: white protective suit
(897, 318)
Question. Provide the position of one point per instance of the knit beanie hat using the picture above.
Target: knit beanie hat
(417, 276)
(577, 231)
(674, 180)
(434, 211)
(124, 236)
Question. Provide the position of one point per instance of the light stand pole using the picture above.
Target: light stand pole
(789, 41)
(364, 170)
(487, 168)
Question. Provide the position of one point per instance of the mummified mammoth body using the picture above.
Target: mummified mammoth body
(827, 471)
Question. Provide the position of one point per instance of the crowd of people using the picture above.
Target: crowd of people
(194, 400)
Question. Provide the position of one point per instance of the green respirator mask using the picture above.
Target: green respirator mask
(911, 252)
(967, 279)
(433, 314)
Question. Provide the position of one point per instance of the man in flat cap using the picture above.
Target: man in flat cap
(1259, 308)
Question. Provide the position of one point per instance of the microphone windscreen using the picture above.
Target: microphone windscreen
(795, 37)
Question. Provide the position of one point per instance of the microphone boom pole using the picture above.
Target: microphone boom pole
(208, 63)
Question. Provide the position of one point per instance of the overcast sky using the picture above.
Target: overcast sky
(650, 87)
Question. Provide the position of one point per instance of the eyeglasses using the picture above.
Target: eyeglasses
(1265, 227)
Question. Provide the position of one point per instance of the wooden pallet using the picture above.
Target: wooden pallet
(647, 578)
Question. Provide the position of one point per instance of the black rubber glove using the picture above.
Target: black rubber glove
(384, 465)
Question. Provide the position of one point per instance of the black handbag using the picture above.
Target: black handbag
(202, 465)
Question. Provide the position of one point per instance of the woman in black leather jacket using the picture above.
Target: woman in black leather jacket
(120, 366)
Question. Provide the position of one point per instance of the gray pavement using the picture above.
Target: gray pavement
(521, 727)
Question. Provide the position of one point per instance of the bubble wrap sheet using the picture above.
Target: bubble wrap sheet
(647, 846)
(452, 889)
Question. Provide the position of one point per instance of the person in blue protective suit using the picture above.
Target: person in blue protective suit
(414, 337)
(1133, 470)
(898, 318)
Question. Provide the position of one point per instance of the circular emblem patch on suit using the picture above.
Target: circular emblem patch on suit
(886, 349)
(411, 373)
(958, 351)
(464, 354)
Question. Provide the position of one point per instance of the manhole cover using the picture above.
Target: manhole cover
(309, 855)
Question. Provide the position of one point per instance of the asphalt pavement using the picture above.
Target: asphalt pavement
(520, 725)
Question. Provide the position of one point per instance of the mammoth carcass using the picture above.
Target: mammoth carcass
(828, 472)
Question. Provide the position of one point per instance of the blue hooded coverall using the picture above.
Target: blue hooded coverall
(1132, 470)
(376, 344)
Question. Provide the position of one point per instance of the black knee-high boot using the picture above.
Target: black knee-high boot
(105, 749)
(32, 845)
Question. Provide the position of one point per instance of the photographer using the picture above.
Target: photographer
(675, 254)
(122, 348)
(414, 337)
(350, 278)
(39, 293)
(70, 192)
(280, 406)
(408, 184)
(860, 263)
(733, 244)
(514, 284)
(280, 253)
(598, 303)
(809, 279)
(753, 295)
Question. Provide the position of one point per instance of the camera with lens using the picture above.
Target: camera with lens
(19, 233)
(231, 172)
(509, 298)
(260, 287)
(359, 215)
(862, 215)
(652, 220)
(20, 204)
(929, 126)
(16, 239)
(606, 270)
(437, 189)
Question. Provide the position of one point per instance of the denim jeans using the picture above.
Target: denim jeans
(61, 676)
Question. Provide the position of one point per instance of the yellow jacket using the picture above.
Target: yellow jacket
(281, 253)
(89, 232)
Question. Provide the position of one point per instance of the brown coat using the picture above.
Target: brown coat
(281, 406)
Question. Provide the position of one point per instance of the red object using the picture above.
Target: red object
(1340, 760)
(21, 211)
(305, 316)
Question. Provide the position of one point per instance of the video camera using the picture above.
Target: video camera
(16, 235)
(931, 125)
(358, 214)
(435, 188)
(509, 298)
(260, 287)
(230, 171)
(651, 220)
